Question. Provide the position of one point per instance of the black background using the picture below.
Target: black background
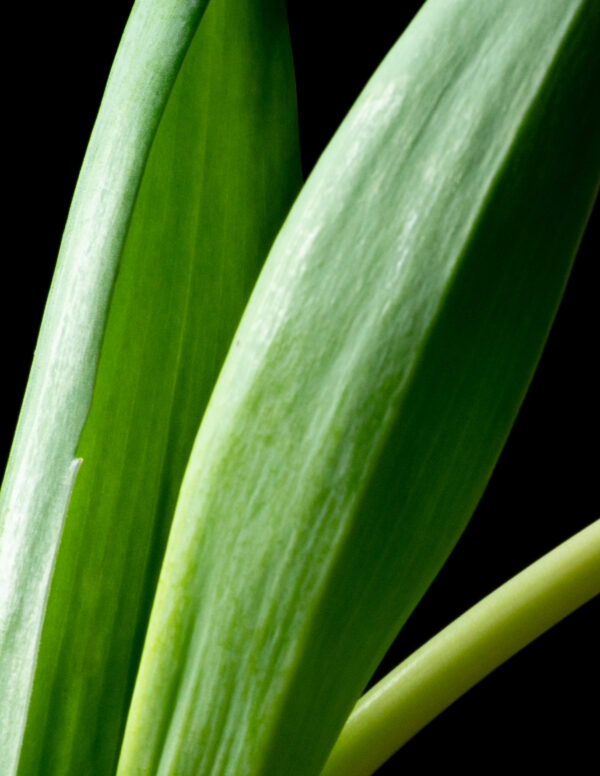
(530, 712)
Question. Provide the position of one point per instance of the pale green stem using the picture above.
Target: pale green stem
(471, 647)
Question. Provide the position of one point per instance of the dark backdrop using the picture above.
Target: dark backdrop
(532, 710)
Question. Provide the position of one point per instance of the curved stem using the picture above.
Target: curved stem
(463, 653)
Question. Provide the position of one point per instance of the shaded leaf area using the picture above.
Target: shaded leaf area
(384, 354)
(543, 489)
(220, 177)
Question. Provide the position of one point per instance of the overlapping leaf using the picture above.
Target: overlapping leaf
(220, 176)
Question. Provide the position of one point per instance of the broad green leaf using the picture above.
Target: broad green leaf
(373, 380)
(219, 179)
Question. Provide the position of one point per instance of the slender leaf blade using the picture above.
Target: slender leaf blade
(465, 651)
(39, 475)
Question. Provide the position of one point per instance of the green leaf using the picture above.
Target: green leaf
(468, 649)
(39, 476)
(219, 179)
(375, 376)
